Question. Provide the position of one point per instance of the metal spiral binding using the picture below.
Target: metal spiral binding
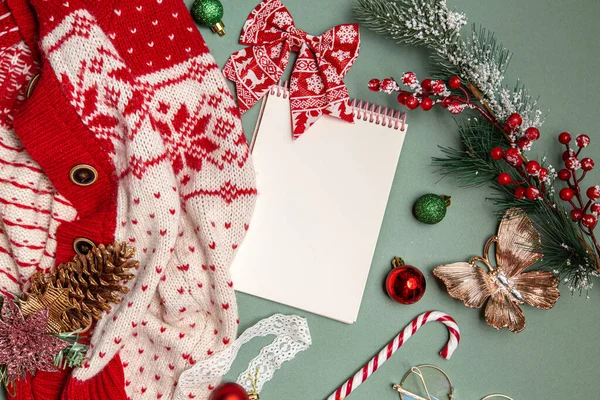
(362, 110)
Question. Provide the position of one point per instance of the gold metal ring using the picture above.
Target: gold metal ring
(83, 180)
(79, 241)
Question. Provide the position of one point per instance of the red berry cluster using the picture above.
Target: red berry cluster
(586, 213)
(533, 174)
(425, 94)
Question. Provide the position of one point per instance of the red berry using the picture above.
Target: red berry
(446, 102)
(454, 82)
(532, 193)
(438, 87)
(374, 85)
(582, 140)
(567, 194)
(409, 79)
(564, 174)
(412, 102)
(402, 97)
(573, 164)
(587, 164)
(513, 157)
(593, 192)
(497, 153)
(520, 193)
(543, 173)
(426, 104)
(532, 133)
(533, 167)
(595, 208)
(524, 143)
(564, 137)
(456, 107)
(504, 179)
(388, 85)
(514, 121)
(426, 85)
(576, 215)
(567, 154)
(589, 220)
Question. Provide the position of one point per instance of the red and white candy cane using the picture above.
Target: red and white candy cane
(365, 372)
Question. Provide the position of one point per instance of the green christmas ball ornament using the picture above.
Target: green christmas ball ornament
(210, 13)
(431, 208)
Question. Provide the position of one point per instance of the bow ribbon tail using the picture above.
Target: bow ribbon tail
(308, 98)
(254, 72)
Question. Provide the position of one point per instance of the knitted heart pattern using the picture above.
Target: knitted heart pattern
(130, 88)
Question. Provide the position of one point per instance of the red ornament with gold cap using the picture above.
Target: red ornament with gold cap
(405, 284)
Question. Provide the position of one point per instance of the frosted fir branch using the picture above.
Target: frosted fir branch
(481, 60)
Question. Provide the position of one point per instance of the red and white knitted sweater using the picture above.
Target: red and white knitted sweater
(129, 88)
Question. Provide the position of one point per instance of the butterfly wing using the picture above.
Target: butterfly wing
(518, 243)
(502, 312)
(466, 282)
(537, 288)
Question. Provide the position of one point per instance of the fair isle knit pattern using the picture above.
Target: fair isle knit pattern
(30, 208)
(140, 78)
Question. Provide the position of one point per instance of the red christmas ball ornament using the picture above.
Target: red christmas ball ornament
(497, 153)
(504, 179)
(409, 79)
(426, 104)
(412, 102)
(405, 283)
(229, 391)
(520, 193)
(514, 121)
(573, 164)
(532, 193)
(524, 143)
(454, 82)
(589, 220)
(513, 157)
(532, 133)
(402, 97)
(564, 174)
(446, 102)
(533, 167)
(564, 138)
(426, 85)
(587, 164)
(567, 194)
(543, 174)
(438, 87)
(595, 208)
(576, 215)
(374, 85)
(582, 141)
(593, 192)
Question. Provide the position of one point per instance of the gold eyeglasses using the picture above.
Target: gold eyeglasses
(438, 386)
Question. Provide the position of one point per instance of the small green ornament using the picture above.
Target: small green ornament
(431, 208)
(210, 13)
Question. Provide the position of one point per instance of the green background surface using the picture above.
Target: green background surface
(556, 54)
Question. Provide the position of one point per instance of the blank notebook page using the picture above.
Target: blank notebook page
(321, 201)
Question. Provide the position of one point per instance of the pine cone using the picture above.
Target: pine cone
(91, 281)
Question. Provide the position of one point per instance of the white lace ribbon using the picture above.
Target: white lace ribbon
(291, 337)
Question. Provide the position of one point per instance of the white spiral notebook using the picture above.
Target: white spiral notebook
(321, 201)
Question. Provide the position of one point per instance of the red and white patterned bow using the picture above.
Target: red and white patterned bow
(316, 85)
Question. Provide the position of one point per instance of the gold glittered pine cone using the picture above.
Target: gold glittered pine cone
(81, 290)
